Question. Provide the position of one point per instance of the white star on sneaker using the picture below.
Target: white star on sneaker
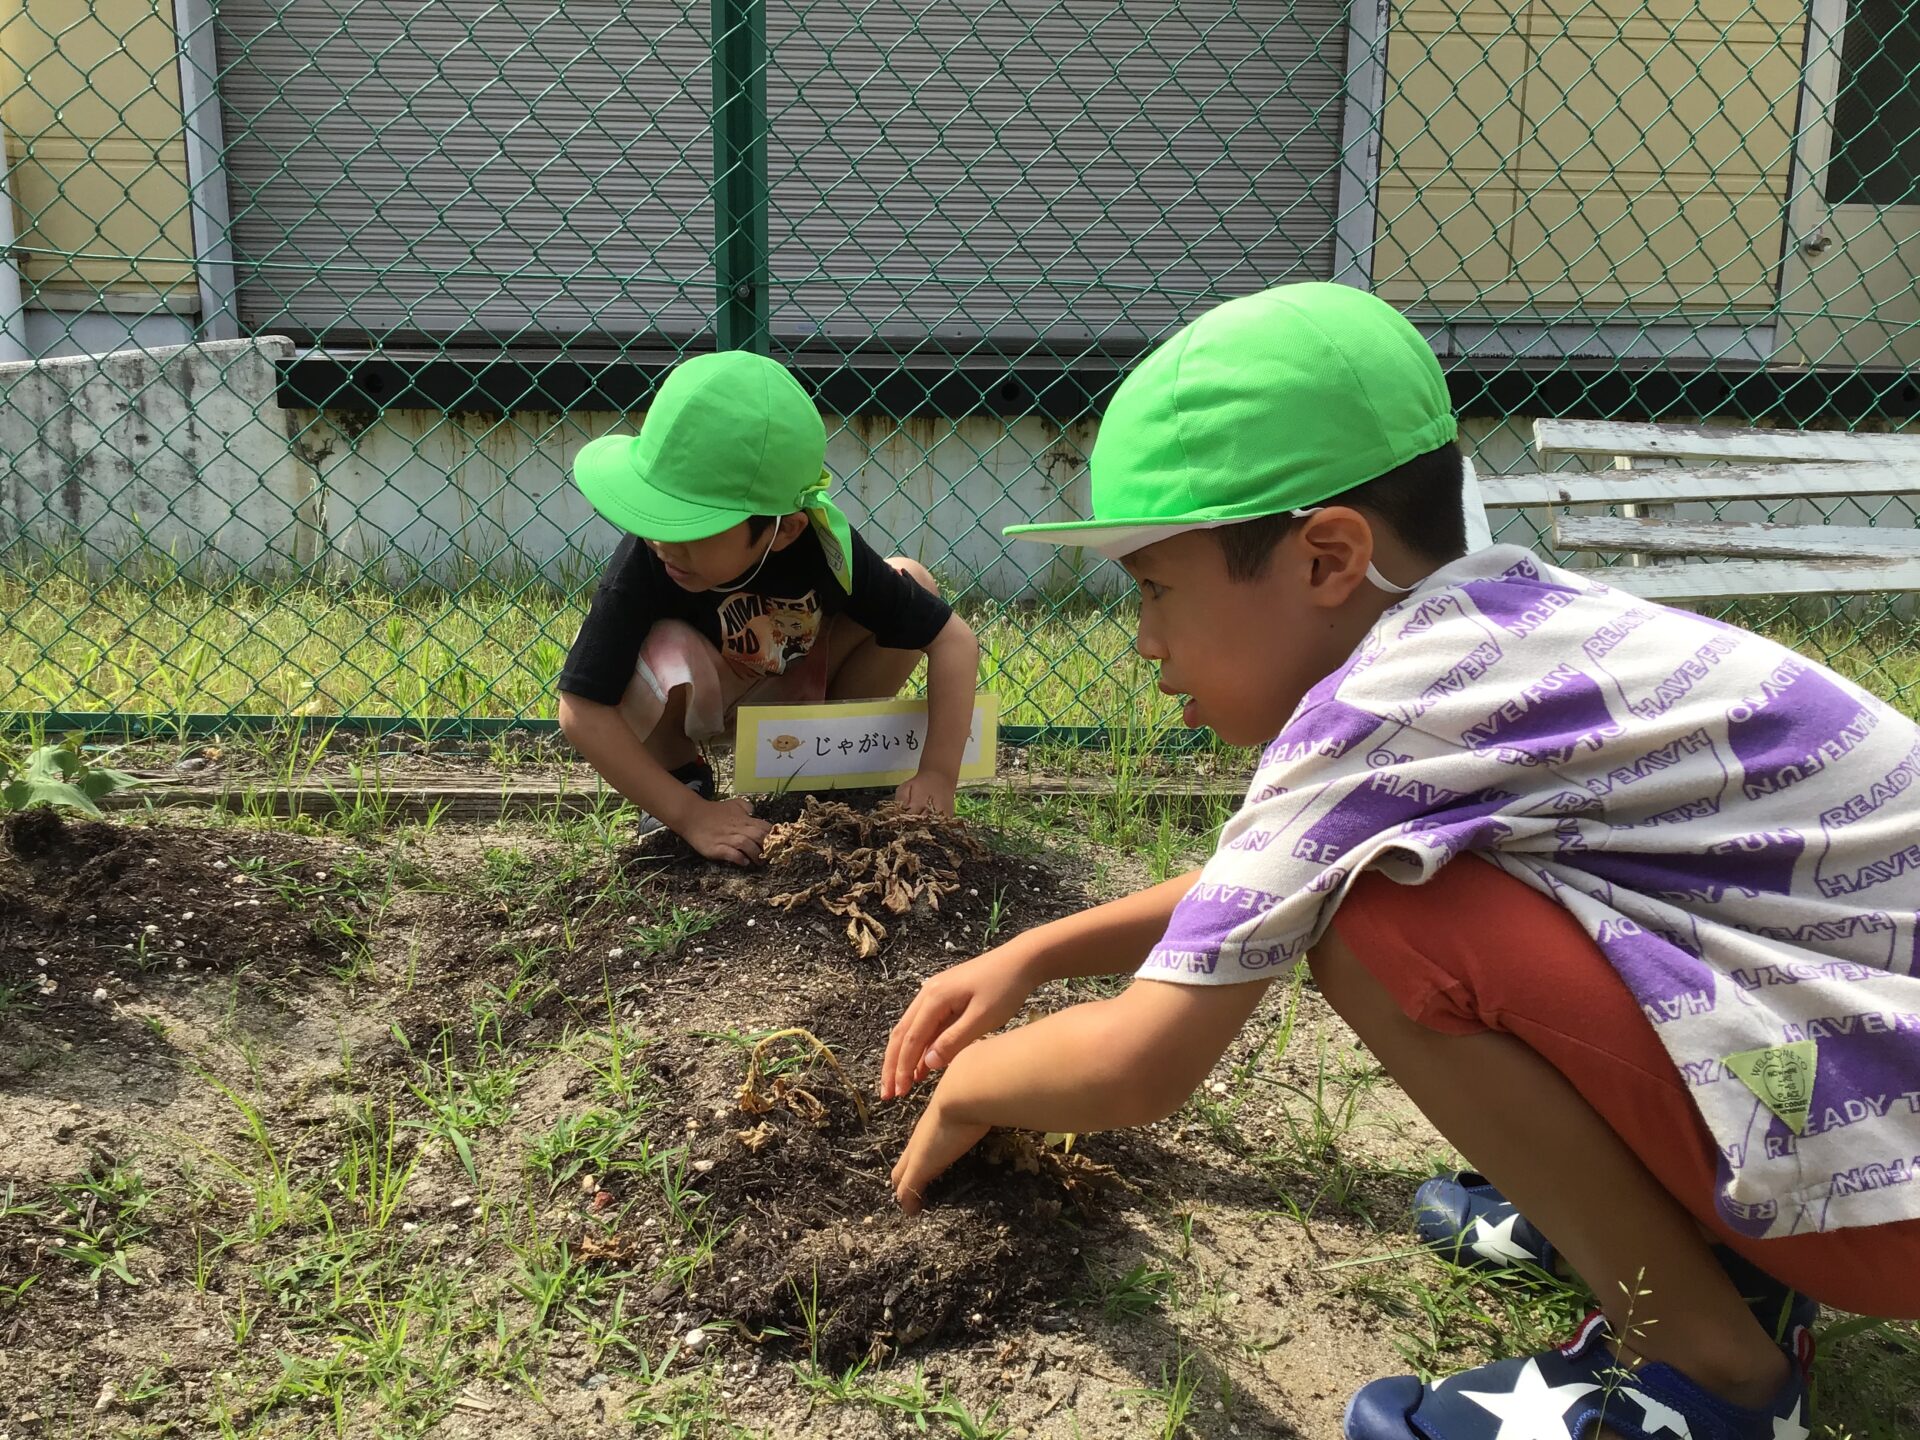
(1788, 1427)
(1533, 1409)
(1496, 1242)
(1660, 1417)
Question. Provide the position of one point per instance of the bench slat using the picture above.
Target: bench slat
(1708, 442)
(1707, 537)
(1731, 482)
(1697, 581)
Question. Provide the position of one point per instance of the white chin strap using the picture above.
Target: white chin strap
(772, 539)
(1372, 574)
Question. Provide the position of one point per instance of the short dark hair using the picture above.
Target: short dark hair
(757, 525)
(1421, 502)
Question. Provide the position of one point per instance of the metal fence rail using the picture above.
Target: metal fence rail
(421, 252)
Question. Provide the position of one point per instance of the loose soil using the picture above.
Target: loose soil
(201, 1025)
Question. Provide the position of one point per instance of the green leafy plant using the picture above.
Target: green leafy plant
(59, 775)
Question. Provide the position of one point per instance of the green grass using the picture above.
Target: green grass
(153, 642)
(169, 646)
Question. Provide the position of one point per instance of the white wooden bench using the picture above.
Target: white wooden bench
(1731, 559)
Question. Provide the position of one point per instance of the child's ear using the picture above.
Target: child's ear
(1337, 544)
(790, 528)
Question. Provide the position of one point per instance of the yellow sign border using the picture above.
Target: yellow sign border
(747, 779)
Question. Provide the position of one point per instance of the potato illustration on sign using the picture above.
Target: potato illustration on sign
(784, 744)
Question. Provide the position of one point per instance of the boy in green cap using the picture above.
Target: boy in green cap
(1625, 899)
(740, 581)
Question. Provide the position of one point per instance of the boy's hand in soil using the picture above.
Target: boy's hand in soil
(954, 1009)
(927, 792)
(958, 1006)
(1104, 1065)
(937, 1142)
(724, 829)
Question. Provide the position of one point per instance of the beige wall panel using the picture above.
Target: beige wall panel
(1866, 287)
(1629, 113)
(94, 74)
(1473, 17)
(1672, 15)
(91, 102)
(1646, 106)
(105, 207)
(1656, 248)
(1453, 104)
(1442, 243)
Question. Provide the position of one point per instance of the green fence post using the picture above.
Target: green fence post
(740, 173)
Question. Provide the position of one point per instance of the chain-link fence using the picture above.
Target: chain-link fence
(425, 250)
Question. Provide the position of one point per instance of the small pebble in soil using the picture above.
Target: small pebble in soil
(696, 1340)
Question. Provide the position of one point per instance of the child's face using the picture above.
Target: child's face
(1244, 652)
(721, 559)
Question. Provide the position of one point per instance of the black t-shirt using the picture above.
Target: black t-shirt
(760, 629)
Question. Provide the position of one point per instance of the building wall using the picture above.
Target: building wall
(90, 101)
(1546, 156)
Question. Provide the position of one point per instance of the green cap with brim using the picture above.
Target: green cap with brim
(729, 435)
(1263, 405)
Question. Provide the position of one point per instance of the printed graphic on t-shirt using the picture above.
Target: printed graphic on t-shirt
(764, 634)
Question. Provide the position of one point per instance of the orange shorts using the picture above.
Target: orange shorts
(1527, 969)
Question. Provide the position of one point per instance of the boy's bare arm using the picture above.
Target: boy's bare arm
(957, 1006)
(953, 673)
(1102, 1066)
(725, 830)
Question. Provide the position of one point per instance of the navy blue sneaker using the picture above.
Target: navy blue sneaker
(1465, 1219)
(697, 776)
(1567, 1394)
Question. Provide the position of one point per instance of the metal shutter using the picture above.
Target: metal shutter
(1025, 171)
(950, 172)
(457, 168)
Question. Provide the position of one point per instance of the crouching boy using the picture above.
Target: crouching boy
(1621, 897)
(741, 582)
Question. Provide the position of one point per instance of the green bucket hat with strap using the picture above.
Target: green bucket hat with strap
(1267, 404)
(728, 436)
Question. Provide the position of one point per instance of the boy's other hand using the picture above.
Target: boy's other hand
(927, 792)
(725, 830)
(937, 1142)
(952, 1010)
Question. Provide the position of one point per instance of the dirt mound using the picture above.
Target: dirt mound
(892, 881)
(91, 909)
(791, 1156)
